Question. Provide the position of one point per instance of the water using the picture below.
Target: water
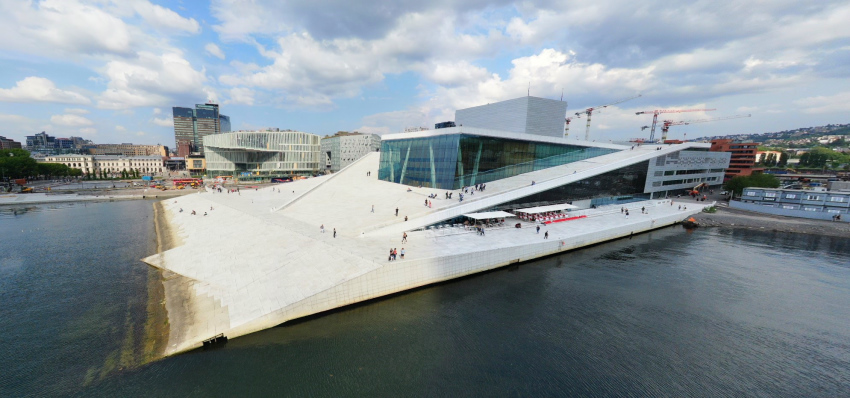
(710, 313)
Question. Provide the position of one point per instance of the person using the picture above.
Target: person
(622, 210)
(193, 212)
(402, 253)
(390, 258)
(404, 237)
(373, 208)
(642, 209)
(538, 229)
(396, 211)
(680, 207)
(546, 235)
(205, 213)
(426, 202)
(211, 208)
(334, 232)
(181, 209)
(405, 218)
(322, 228)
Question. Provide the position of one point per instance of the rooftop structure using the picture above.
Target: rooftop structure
(529, 115)
(192, 125)
(46, 144)
(262, 154)
(294, 268)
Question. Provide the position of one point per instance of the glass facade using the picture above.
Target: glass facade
(617, 186)
(457, 160)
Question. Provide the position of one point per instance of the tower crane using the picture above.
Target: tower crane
(568, 120)
(655, 117)
(589, 112)
(667, 123)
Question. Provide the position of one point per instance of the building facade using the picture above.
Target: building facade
(743, 159)
(262, 154)
(192, 125)
(110, 164)
(683, 170)
(344, 148)
(6, 143)
(821, 205)
(127, 150)
(45, 144)
(528, 115)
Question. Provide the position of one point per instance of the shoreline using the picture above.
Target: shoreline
(44, 198)
(741, 219)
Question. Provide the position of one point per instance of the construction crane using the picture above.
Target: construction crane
(667, 123)
(655, 117)
(568, 120)
(589, 112)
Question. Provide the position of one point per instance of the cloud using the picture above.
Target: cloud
(241, 96)
(70, 120)
(88, 131)
(39, 89)
(213, 50)
(77, 111)
(120, 128)
(151, 80)
(826, 103)
(164, 122)
(163, 18)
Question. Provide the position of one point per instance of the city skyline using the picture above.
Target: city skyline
(111, 71)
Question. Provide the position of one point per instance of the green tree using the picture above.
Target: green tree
(783, 159)
(17, 163)
(53, 170)
(737, 184)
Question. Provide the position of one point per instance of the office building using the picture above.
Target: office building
(262, 155)
(812, 204)
(743, 157)
(192, 125)
(344, 148)
(7, 143)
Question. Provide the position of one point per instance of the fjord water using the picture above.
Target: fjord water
(670, 313)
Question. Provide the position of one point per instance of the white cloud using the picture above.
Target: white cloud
(151, 80)
(77, 111)
(70, 120)
(164, 122)
(163, 18)
(241, 96)
(157, 111)
(88, 131)
(120, 128)
(39, 89)
(213, 50)
(62, 27)
(826, 103)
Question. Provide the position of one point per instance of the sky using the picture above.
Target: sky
(111, 70)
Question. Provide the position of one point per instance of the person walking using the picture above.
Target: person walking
(373, 208)
(538, 229)
(322, 228)
(404, 237)
(334, 232)
(402, 253)
(396, 211)
(546, 235)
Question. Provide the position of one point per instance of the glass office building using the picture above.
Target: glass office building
(192, 125)
(452, 161)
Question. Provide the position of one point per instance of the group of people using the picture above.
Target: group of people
(394, 253)
(427, 203)
(322, 229)
(449, 195)
(472, 189)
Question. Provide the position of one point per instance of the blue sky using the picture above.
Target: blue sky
(111, 70)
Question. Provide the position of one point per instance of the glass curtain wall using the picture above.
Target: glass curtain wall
(454, 161)
(618, 186)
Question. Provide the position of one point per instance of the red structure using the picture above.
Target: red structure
(743, 159)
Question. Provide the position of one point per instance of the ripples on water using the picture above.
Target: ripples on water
(712, 313)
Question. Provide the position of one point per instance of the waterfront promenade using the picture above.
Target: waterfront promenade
(258, 258)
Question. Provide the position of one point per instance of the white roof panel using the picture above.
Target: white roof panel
(489, 214)
(544, 209)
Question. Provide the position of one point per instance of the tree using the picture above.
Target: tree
(737, 184)
(17, 163)
(783, 159)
